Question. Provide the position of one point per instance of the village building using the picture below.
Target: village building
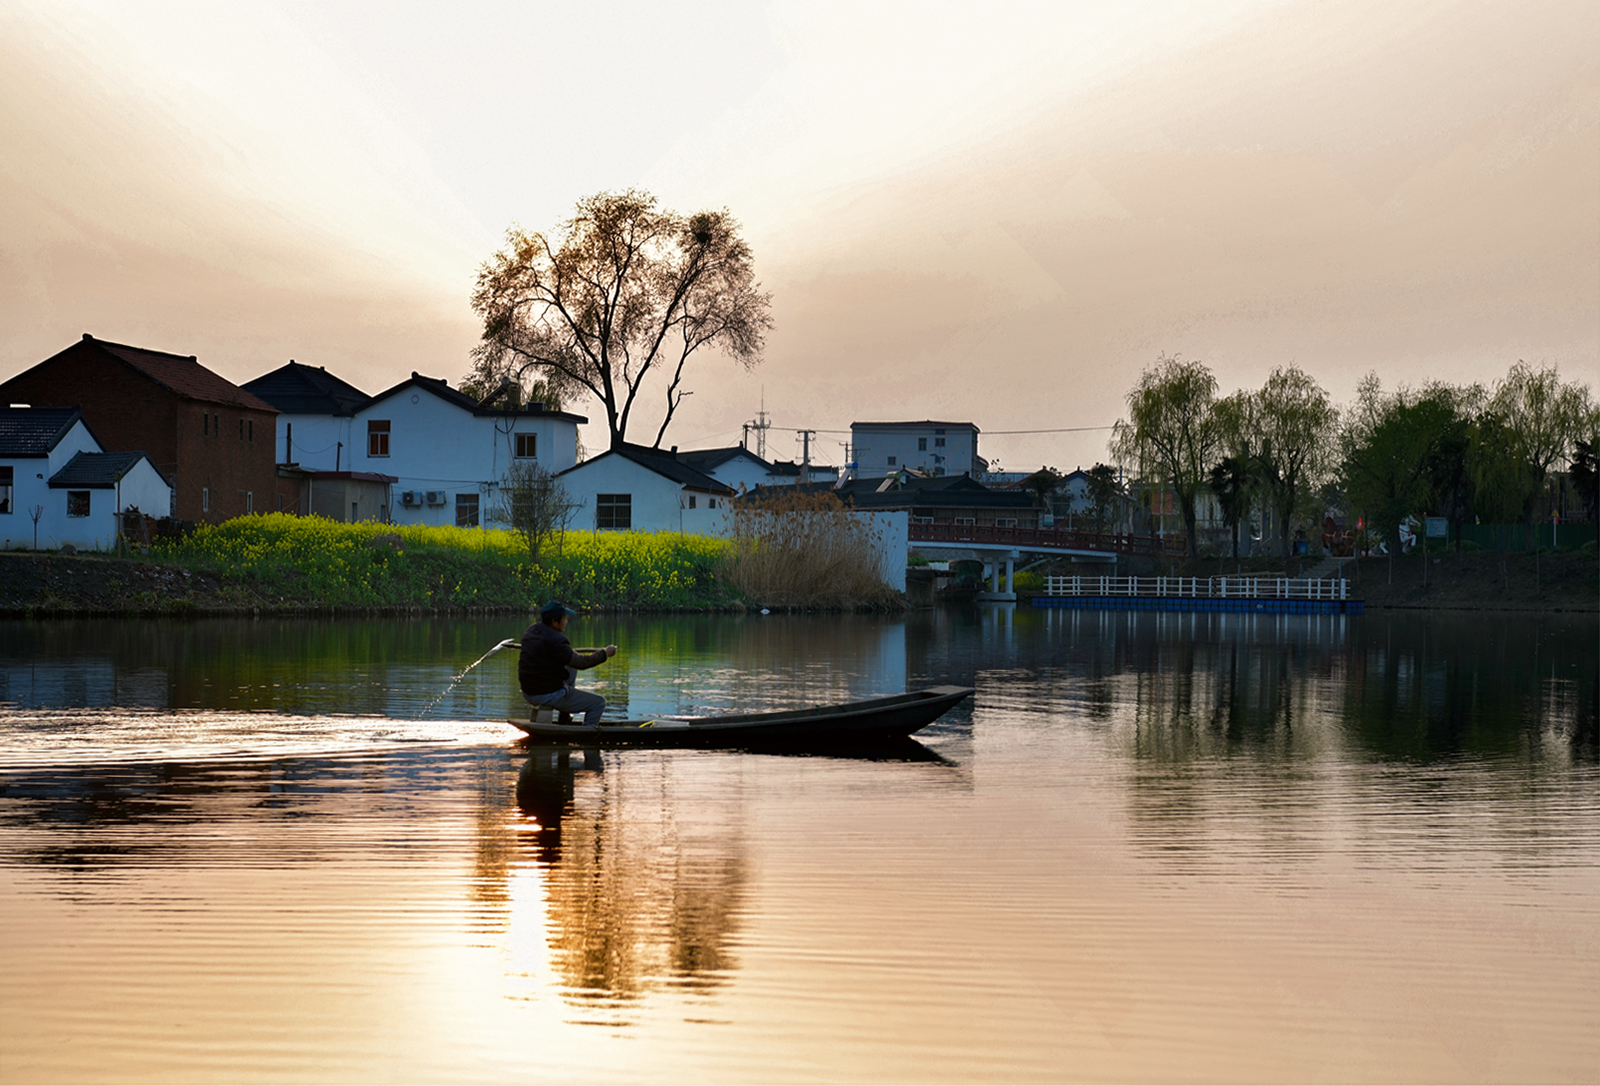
(449, 453)
(932, 448)
(209, 438)
(635, 488)
(58, 486)
(743, 470)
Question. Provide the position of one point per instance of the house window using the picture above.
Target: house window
(1005, 522)
(241, 429)
(938, 442)
(893, 461)
(77, 503)
(378, 440)
(466, 510)
(249, 501)
(280, 503)
(922, 444)
(966, 520)
(691, 501)
(712, 502)
(355, 512)
(613, 512)
(7, 497)
(205, 424)
(250, 430)
(527, 446)
(205, 499)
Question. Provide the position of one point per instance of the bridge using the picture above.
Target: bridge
(993, 545)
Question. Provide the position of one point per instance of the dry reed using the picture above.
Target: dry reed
(806, 550)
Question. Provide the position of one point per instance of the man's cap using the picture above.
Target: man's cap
(555, 609)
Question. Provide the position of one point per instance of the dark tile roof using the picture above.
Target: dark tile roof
(307, 390)
(945, 492)
(666, 464)
(96, 469)
(442, 389)
(183, 375)
(708, 459)
(34, 431)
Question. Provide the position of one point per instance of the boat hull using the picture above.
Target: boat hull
(857, 723)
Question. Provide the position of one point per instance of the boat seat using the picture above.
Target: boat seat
(545, 716)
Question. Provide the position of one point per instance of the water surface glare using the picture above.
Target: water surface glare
(1152, 847)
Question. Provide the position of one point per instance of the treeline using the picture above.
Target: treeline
(1286, 453)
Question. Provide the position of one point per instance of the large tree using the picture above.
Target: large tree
(1294, 422)
(1170, 433)
(1536, 420)
(622, 292)
(1402, 453)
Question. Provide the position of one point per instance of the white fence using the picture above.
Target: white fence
(1241, 588)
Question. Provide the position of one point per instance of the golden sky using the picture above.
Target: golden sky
(994, 214)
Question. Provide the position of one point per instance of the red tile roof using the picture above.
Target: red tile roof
(183, 375)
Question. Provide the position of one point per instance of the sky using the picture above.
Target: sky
(996, 214)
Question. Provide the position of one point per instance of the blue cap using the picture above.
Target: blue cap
(555, 609)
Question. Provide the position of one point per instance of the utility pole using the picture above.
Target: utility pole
(761, 425)
(805, 456)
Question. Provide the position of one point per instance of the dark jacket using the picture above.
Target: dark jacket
(546, 655)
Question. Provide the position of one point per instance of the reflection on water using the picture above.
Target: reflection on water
(1152, 846)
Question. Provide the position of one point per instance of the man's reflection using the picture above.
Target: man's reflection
(545, 790)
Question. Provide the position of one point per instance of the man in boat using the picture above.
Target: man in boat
(548, 670)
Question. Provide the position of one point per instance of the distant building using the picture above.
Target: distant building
(934, 448)
(950, 499)
(742, 469)
(208, 437)
(51, 463)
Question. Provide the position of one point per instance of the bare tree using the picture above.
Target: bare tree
(623, 290)
(1170, 433)
(35, 511)
(533, 503)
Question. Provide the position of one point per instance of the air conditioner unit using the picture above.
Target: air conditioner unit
(410, 497)
(435, 497)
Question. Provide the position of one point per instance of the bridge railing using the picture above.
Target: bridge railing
(1248, 588)
(1059, 538)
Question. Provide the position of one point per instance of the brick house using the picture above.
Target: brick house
(211, 439)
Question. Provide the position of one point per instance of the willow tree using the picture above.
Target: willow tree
(621, 295)
(1295, 424)
(1532, 422)
(1170, 433)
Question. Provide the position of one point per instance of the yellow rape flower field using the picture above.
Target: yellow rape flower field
(312, 561)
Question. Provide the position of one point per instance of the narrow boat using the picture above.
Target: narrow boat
(876, 720)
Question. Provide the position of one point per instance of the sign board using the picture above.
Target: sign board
(1438, 527)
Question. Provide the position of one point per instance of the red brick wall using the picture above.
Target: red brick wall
(128, 411)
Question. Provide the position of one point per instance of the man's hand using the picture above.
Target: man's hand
(611, 650)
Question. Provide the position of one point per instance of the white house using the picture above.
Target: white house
(52, 465)
(636, 488)
(445, 451)
(935, 448)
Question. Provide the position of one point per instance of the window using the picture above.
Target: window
(466, 510)
(893, 461)
(250, 430)
(966, 520)
(241, 429)
(712, 502)
(691, 501)
(938, 442)
(205, 424)
(355, 512)
(77, 503)
(1005, 522)
(280, 503)
(378, 440)
(7, 497)
(613, 512)
(249, 501)
(527, 446)
(205, 499)
(922, 444)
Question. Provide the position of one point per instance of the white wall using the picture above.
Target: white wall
(32, 487)
(742, 472)
(316, 441)
(891, 528)
(436, 445)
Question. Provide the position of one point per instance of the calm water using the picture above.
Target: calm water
(1152, 847)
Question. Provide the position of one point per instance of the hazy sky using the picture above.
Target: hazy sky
(994, 213)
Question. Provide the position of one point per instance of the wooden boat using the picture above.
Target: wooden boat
(877, 720)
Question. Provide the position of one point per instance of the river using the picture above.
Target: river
(1151, 847)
